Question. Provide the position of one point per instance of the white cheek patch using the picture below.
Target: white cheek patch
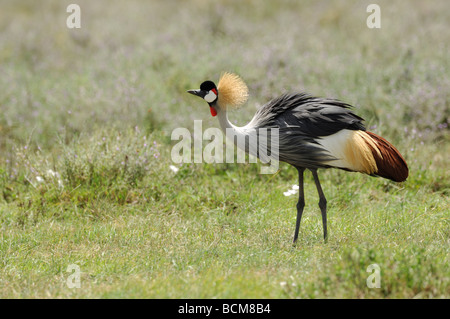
(210, 97)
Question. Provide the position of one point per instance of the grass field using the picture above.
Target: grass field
(86, 117)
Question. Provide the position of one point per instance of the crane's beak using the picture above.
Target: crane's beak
(198, 93)
(202, 94)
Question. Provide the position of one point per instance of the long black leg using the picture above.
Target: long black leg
(301, 202)
(322, 202)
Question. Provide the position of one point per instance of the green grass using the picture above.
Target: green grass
(85, 124)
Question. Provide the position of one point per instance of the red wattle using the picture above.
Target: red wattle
(213, 111)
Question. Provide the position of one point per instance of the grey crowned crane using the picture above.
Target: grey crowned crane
(313, 133)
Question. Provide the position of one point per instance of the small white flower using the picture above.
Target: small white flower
(289, 192)
(283, 283)
(51, 173)
(174, 168)
(292, 191)
(39, 179)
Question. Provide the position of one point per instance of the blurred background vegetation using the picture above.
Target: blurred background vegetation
(130, 64)
(90, 111)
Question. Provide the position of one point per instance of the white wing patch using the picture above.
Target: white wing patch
(335, 144)
(352, 150)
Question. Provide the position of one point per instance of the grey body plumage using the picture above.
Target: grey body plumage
(301, 120)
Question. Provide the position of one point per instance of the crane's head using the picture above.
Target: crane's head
(231, 92)
(208, 92)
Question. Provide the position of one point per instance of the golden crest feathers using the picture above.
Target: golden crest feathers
(233, 92)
